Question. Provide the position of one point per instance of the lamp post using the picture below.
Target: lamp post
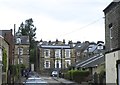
(19, 42)
(61, 61)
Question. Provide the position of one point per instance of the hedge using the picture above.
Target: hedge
(77, 75)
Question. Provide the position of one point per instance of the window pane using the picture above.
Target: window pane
(67, 63)
(47, 64)
(57, 53)
(47, 53)
(20, 51)
(67, 53)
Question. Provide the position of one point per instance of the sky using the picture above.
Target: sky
(76, 20)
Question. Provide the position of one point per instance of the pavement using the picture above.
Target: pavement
(65, 81)
(21, 81)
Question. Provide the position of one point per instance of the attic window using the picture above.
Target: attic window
(18, 40)
(79, 46)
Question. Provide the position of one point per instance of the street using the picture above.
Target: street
(56, 81)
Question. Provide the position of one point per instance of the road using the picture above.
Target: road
(58, 81)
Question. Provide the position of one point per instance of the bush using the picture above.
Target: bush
(102, 76)
(77, 75)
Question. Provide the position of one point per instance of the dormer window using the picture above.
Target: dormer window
(100, 47)
(18, 40)
(27, 40)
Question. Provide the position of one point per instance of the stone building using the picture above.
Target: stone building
(9, 38)
(4, 46)
(112, 41)
(55, 56)
(112, 24)
(22, 51)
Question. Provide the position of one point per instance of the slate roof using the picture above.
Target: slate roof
(81, 46)
(111, 6)
(93, 48)
(56, 46)
(3, 32)
(24, 40)
(91, 62)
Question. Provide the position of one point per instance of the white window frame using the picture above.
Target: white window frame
(58, 53)
(18, 40)
(67, 53)
(45, 53)
(67, 63)
(100, 47)
(0, 54)
(20, 51)
(78, 53)
(111, 33)
(45, 64)
(59, 63)
(20, 60)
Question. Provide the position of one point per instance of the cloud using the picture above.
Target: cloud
(60, 19)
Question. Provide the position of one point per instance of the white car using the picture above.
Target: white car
(55, 73)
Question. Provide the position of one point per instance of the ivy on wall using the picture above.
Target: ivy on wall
(4, 60)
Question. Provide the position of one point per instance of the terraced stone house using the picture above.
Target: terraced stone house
(22, 51)
(55, 56)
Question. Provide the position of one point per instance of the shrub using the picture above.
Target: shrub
(77, 75)
(102, 76)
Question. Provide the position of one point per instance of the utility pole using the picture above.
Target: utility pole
(61, 59)
(13, 51)
(19, 62)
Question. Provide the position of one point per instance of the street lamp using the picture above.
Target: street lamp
(61, 61)
(19, 42)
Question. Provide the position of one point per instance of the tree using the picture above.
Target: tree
(28, 29)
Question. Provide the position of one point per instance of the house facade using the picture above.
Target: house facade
(4, 49)
(9, 38)
(22, 51)
(112, 39)
(55, 57)
(93, 59)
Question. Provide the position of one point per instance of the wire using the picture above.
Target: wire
(82, 27)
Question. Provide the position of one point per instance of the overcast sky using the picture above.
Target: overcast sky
(76, 20)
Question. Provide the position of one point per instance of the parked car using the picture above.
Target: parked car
(31, 74)
(55, 73)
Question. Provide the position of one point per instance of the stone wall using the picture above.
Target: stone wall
(112, 22)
